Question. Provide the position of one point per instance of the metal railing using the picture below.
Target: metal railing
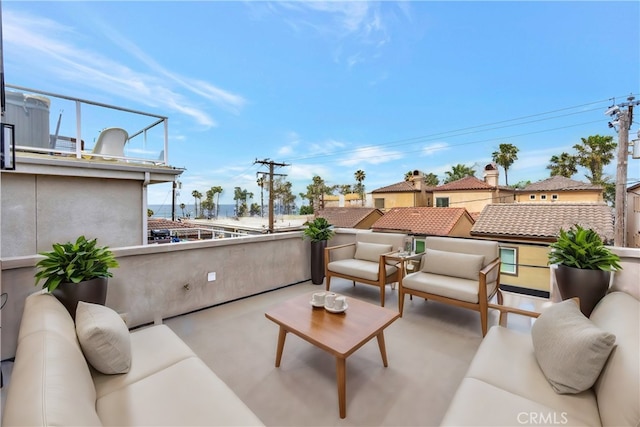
(147, 141)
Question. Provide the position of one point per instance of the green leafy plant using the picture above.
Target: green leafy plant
(318, 230)
(583, 248)
(74, 263)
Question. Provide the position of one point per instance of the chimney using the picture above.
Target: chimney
(417, 180)
(491, 174)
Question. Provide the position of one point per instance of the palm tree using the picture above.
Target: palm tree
(360, 176)
(457, 172)
(217, 190)
(431, 179)
(595, 153)
(182, 206)
(260, 181)
(563, 165)
(196, 196)
(408, 176)
(507, 154)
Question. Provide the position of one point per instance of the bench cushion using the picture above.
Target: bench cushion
(505, 370)
(446, 286)
(358, 268)
(371, 251)
(465, 266)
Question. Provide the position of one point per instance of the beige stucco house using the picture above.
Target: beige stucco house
(472, 193)
(560, 189)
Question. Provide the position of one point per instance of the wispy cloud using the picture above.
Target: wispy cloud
(370, 155)
(431, 149)
(31, 38)
(358, 28)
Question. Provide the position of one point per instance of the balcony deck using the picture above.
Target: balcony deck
(429, 350)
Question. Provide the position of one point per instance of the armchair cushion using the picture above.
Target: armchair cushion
(569, 348)
(104, 338)
(453, 264)
(370, 251)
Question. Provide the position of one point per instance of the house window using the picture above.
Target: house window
(378, 203)
(532, 196)
(543, 197)
(442, 202)
(554, 197)
(509, 260)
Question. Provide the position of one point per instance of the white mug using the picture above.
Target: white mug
(340, 303)
(329, 299)
(318, 298)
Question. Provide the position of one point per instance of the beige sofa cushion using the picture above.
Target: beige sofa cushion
(618, 387)
(569, 348)
(50, 382)
(104, 338)
(505, 370)
(371, 251)
(453, 264)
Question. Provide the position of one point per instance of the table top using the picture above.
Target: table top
(338, 333)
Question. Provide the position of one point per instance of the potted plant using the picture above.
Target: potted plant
(75, 272)
(318, 231)
(584, 266)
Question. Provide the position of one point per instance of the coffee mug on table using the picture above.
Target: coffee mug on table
(340, 303)
(318, 298)
(329, 299)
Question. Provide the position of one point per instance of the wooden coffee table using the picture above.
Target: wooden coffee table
(340, 334)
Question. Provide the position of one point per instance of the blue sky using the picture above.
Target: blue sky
(333, 87)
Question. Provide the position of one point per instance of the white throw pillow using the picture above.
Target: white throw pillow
(371, 251)
(569, 348)
(104, 338)
(453, 264)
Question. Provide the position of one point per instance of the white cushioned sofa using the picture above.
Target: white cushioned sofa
(165, 383)
(569, 370)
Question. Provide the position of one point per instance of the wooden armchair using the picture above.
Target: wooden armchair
(461, 272)
(365, 260)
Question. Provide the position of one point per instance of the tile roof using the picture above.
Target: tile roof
(543, 221)
(401, 187)
(466, 183)
(347, 217)
(398, 187)
(163, 223)
(421, 220)
(556, 183)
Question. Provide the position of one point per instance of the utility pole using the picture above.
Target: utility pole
(622, 118)
(272, 166)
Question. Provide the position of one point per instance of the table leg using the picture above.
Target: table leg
(342, 385)
(281, 336)
(383, 348)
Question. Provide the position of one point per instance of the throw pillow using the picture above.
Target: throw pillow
(371, 251)
(569, 348)
(104, 338)
(454, 264)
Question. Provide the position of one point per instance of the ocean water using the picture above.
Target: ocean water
(164, 211)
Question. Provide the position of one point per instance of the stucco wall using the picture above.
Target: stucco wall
(39, 210)
(160, 281)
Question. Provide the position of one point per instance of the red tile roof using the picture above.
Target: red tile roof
(542, 221)
(556, 183)
(398, 187)
(466, 183)
(421, 220)
(348, 217)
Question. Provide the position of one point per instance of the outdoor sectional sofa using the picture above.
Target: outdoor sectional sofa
(53, 384)
(594, 364)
